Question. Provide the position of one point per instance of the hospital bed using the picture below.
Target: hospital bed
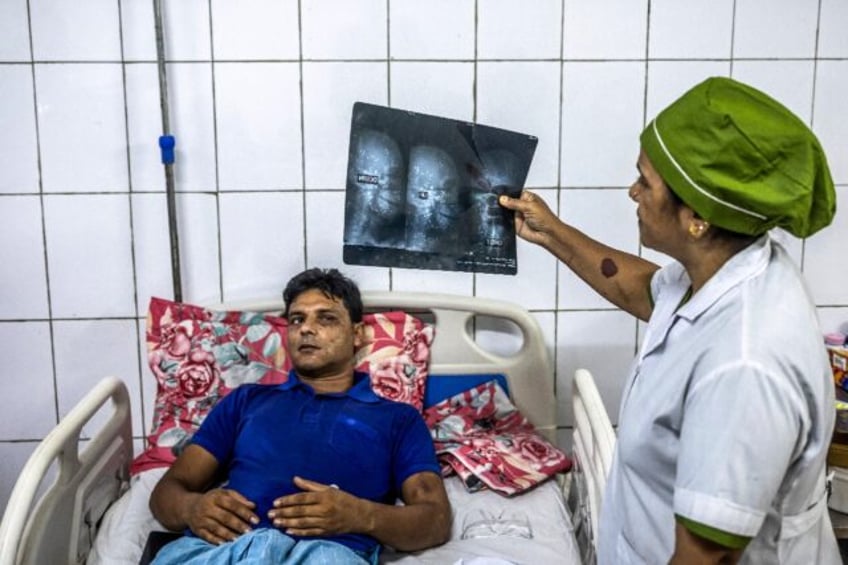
(75, 498)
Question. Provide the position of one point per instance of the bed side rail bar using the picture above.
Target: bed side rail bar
(59, 526)
(594, 444)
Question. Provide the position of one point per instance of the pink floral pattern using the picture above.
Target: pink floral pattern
(396, 353)
(198, 375)
(198, 356)
(481, 436)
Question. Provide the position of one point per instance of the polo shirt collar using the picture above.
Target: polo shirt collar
(361, 389)
(744, 265)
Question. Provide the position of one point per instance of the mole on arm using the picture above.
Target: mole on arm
(608, 267)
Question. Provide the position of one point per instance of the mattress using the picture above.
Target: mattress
(488, 528)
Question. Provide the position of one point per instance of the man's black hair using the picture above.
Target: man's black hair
(332, 283)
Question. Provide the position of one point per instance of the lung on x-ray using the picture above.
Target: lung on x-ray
(422, 191)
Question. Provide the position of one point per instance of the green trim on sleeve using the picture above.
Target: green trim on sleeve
(725, 539)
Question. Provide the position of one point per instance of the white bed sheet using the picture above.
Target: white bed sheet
(488, 528)
(127, 523)
(531, 528)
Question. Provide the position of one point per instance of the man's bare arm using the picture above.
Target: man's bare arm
(180, 500)
(423, 522)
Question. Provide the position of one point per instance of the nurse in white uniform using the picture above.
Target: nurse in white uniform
(727, 414)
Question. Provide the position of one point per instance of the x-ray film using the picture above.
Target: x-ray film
(422, 191)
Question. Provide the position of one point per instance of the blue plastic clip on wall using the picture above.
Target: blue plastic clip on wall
(166, 145)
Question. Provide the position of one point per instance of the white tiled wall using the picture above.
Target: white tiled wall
(524, 96)
(444, 30)
(22, 246)
(65, 31)
(711, 38)
(82, 143)
(260, 95)
(444, 88)
(602, 115)
(256, 230)
(257, 113)
(255, 29)
(89, 255)
(765, 30)
(18, 147)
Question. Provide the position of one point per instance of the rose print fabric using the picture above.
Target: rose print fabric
(480, 435)
(198, 356)
(396, 353)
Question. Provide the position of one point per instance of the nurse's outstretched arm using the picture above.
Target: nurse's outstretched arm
(620, 277)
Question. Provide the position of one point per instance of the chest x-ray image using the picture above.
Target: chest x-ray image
(422, 191)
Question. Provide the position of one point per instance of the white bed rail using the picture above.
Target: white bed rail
(60, 527)
(594, 444)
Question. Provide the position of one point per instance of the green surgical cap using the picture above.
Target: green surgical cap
(741, 160)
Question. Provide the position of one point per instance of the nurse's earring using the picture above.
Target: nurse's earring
(698, 228)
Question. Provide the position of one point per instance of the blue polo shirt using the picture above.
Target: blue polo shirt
(264, 435)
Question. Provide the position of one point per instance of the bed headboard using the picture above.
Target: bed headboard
(528, 372)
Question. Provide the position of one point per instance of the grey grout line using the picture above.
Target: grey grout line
(50, 321)
(435, 60)
(732, 33)
(389, 61)
(647, 78)
(560, 119)
(303, 189)
(732, 36)
(288, 190)
(647, 70)
(474, 79)
(215, 156)
(812, 108)
(133, 257)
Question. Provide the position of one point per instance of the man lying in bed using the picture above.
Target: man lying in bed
(312, 467)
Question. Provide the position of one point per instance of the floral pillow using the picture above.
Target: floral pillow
(396, 351)
(482, 437)
(198, 356)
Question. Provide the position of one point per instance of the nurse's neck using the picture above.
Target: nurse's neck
(705, 256)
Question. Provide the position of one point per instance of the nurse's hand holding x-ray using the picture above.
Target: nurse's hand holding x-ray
(534, 221)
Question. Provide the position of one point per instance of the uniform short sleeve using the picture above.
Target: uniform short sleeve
(739, 435)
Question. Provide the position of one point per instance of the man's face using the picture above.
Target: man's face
(321, 336)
